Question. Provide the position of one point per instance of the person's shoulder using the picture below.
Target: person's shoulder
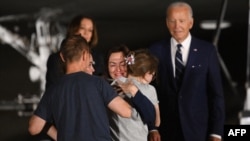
(84, 78)
(203, 45)
(151, 87)
(97, 79)
(159, 47)
(201, 41)
(143, 86)
(88, 76)
(159, 44)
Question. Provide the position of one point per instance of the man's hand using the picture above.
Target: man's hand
(211, 138)
(154, 136)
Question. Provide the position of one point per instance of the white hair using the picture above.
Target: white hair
(180, 4)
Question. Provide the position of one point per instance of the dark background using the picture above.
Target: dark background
(136, 23)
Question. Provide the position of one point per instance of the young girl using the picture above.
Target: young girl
(142, 68)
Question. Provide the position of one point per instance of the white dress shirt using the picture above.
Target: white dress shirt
(184, 49)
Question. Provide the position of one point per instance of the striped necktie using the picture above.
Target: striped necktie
(179, 66)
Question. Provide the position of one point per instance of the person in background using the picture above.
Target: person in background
(134, 128)
(76, 102)
(86, 27)
(191, 98)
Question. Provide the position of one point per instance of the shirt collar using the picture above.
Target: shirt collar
(185, 43)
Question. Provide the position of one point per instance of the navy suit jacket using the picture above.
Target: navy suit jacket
(199, 104)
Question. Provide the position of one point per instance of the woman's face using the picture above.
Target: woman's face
(116, 65)
(86, 29)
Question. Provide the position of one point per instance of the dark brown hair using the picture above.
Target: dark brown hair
(119, 48)
(75, 25)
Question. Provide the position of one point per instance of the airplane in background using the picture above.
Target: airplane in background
(45, 40)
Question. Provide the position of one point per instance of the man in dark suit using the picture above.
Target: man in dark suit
(192, 108)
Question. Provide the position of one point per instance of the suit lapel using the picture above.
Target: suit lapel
(192, 57)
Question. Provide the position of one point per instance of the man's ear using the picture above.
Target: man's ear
(61, 56)
(85, 55)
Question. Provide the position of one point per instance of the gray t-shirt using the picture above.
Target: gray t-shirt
(132, 129)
